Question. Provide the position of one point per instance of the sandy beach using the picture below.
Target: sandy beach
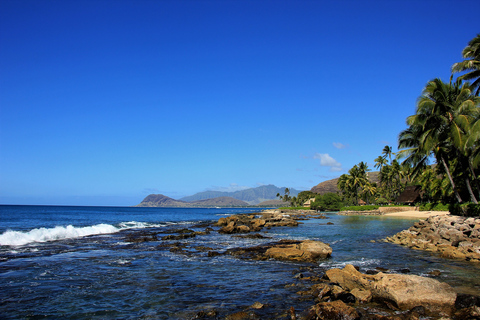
(417, 214)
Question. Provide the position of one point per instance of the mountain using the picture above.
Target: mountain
(159, 200)
(331, 185)
(252, 196)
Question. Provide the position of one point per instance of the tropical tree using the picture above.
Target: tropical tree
(471, 64)
(387, 152)
(380, 162)
(444, 114)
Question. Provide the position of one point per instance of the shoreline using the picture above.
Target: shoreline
(416, 214)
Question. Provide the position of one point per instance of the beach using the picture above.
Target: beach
(417, 214)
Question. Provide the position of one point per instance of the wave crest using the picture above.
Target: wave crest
(19, 238)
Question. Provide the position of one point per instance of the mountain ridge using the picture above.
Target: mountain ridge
(252, 196)
(160, 200)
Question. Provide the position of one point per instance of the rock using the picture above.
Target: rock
(242, 315)
(362, 296)
(308, 250)
(257, 305)
(335, 310)
(398, 290)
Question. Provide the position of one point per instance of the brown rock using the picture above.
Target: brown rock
(308, 250)
(336, 310)
(401, 291)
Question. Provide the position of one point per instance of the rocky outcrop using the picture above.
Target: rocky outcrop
(451, 236)
(401, 291)
(244, 223)
(287, 250)
(309, 251)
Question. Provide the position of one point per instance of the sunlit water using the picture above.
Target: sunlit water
(75, 262)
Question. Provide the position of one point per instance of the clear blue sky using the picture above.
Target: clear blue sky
(103, 102)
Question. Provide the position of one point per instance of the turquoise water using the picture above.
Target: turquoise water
(76, 262)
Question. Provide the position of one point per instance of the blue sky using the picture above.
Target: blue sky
(103, 102)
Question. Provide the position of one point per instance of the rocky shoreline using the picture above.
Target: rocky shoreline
(452, 237)
(347, 293)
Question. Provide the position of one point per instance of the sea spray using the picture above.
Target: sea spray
(19, 238)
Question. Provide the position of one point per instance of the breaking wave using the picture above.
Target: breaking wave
(19, 238)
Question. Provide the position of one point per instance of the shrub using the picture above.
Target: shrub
(360, 208)
(434, 207)
(465, 209)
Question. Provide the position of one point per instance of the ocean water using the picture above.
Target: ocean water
(78, 263)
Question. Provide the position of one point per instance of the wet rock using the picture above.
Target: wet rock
(451, 236)
(470, 313)
(335, 310)
(397, 290)
(466, 300)
(179, 236)
(362, 296)
(257, 305)
(142, 236)
(308, 250)
(242, 315)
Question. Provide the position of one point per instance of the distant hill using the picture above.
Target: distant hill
(252, 196)
(331, 185)
(159, 200)
(273, 203)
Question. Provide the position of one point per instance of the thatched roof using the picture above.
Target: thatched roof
(411, 194)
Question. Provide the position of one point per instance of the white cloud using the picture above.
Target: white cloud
(327, 161)
(339, 145)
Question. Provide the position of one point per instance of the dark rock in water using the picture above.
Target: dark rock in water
(435, 273)
(466, 300)
(242, 315)
(346, 297)
(213, 254)
(141, 236)
(470, 313)
(252, 236)
(330, 223)
(336, 310)
(179, 237)
(404, 270)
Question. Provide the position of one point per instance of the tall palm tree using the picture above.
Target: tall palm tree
(387, 152)
(471, 64)
(380, 162)
(438, 127)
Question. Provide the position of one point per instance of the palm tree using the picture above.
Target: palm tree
(471, 64)
(439, 126)
(387, 152)
(380, 162)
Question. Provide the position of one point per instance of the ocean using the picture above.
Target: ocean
(80, 263)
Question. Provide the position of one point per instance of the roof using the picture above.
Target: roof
(411, 194)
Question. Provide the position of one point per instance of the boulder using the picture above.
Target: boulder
(335, 310)
(398, 290)
(309, 251)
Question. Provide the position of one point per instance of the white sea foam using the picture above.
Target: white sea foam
(19, 238)
(362, 262)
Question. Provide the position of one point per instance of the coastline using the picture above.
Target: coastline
(417, 214)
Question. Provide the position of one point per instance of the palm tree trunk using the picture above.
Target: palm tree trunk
(459, 199)
(474, 177)
(469, 187)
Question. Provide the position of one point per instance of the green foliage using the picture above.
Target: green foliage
(328, 202)
(293, 208)
(434, 207)
(360, 208)
(382, 201)
(465, 209)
